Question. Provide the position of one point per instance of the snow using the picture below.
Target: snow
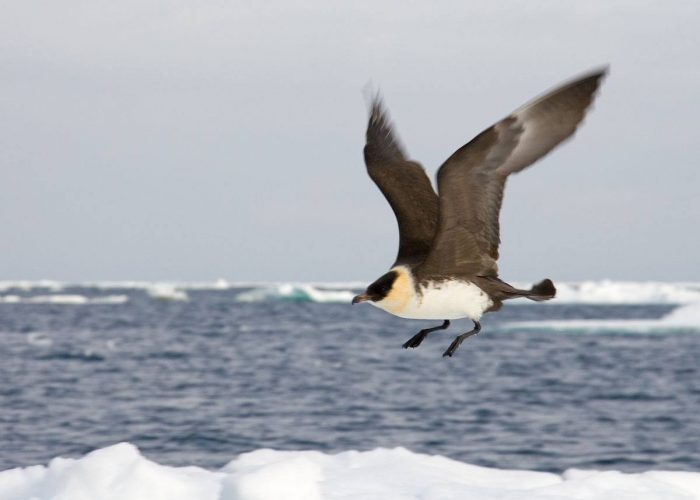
(120, 472)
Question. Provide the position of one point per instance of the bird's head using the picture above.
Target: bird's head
(391, 292)
(378, 290)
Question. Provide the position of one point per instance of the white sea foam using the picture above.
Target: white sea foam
(295, 293)
(39, 339)
(120, 472)
(219, 284)
(166, 291)
(66, 299)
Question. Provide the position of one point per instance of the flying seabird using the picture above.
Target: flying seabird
(448, 244)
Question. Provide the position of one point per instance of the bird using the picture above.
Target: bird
(446, 266)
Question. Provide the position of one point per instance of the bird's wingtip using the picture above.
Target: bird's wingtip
(597, 72)
(372, 96)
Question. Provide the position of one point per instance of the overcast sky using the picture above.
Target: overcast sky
(196, 140)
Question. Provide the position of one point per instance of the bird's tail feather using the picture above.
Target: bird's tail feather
(500, 290)
(544, 290)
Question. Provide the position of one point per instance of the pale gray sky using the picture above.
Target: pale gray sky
(196, 140)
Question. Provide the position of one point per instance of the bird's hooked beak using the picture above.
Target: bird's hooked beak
(363, 297)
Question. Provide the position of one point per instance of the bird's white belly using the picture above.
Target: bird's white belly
(446, 300)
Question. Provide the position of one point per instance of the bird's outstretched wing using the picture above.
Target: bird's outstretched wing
(472, 180)
(405, 186)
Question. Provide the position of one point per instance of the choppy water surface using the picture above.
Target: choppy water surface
(201, 380)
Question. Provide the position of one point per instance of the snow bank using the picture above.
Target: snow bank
(120, 472)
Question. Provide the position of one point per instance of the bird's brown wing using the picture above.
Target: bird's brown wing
(405, 186)
(472, 180)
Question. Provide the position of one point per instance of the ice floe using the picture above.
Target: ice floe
(684, 317)
(120, 472)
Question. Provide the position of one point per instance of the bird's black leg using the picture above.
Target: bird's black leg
(415, 341)
(460, 338)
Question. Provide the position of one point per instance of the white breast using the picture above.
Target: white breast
(443, 300)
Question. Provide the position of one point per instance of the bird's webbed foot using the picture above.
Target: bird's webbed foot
(416, 340)
(460, 338)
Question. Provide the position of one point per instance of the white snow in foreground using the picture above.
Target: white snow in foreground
(120, 472)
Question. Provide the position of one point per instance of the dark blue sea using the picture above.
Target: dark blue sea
(229, 370)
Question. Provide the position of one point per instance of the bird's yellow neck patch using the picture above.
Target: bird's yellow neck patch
(401, 292)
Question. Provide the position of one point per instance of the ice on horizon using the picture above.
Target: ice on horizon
(685, 317)
(167, 291)
(65, 299)
(586, 292)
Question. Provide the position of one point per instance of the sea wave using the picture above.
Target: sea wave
(295, 293)
(66, 299)
(120, 472)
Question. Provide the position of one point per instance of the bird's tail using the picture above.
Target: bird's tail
(544, 290)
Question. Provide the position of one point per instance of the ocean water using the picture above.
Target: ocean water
(607, 378)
